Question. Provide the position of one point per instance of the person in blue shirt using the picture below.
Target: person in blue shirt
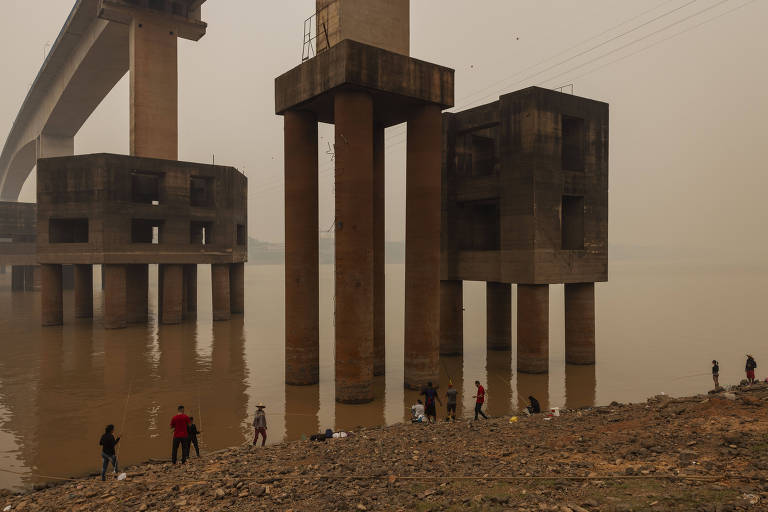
(430, 396)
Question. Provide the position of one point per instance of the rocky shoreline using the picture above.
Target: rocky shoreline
(708, 453)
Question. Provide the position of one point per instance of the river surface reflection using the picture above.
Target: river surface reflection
(657, 329)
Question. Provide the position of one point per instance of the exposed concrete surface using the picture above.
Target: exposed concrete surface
(451, 318)
(380, 23)
(52, 296)
(498, 303)
(83, 291)
(222, 309)
(379, 248)
(580, 323)
(533, 328)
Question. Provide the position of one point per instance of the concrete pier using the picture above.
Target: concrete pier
(354, 286)
(115, 287)
(220, 292)
(301, 249)
(83, 291)
(171, 296)
(422, 246)
(498, 304)
(451, 318)
(533, 328)
(189, 303)
(17, 278)
(237, 288)
(137, 293)
(580, 323)
(52, 301)
(379, 254)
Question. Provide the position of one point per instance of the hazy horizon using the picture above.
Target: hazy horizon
(687, 114)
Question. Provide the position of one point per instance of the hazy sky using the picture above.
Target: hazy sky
(688, 139)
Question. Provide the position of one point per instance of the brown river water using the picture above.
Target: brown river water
(658, 328)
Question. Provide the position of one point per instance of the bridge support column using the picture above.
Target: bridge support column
(137, 293)
(451, 318)
(237, 288)
(498, 305)
(354, 246)
(302, 343)
(83, 291)
(422, 246)
(190, 291)
(580, 323)
(222, 309)
(154, 87)
(17, 277)
(171, 277)
(115, 286)
(52, 301)
(379, 254)
(533, 328)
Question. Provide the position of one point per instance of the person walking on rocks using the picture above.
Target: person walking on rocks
(451, 395)
(480, 400)
(192, 430)
(430, 395)
(180, 426)
(260, 425)
(750, 368)
(108, 455)
(716, 374)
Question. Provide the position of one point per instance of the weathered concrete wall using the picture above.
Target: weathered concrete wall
(381, 23)
(511, 191)
(106, 203)
(17, 233)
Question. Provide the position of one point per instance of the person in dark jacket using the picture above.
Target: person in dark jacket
(108, 443)
(533, 406)
(750, 368)
(716, 374)
(192, 430)
(430, 395)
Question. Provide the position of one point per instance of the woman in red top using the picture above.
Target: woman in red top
(480, 400)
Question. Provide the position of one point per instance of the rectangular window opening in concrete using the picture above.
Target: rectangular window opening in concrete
(572, 223)
(201, 233)
(201, 191)
(157, 5)
(479, 225)
(145, 187)
(483, 155)
(146, 231)
(242, 237)
(68, 231)
(179, 9)
(573, 143)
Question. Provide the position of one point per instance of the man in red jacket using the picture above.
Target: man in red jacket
(179, 424)
(480, 400)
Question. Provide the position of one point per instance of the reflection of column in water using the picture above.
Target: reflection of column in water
(225, 418)
(580, 385)
(535, 385)
(499, 388)
(451, 368)
(302, 405)
(350, 416)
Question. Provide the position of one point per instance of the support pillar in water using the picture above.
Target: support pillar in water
(220, 292)
(137, 293)
(533, 328)
(451, 318)
(115, 285)
(52, 303)
(498, 303)
(580, 323)
(83, 291)
(237, 288)
(171, 293)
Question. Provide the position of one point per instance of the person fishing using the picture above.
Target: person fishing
(716, 374)
(480, 400)
(192, 432)
(750, 369)
(430, 395)
(451, 398)
(533, 406)
(260, 425)
(108, 443)
(180, 424)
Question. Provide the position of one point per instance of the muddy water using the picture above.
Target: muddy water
(658, 328)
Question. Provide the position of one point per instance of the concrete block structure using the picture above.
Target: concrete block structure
(127, 212)
(362, 81)
(17, 244)
(525, 201)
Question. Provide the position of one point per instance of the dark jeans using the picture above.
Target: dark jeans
(451, 410)
(479, 410)
(263, 433)
(184, 442)
(105, 460)
(193, 440)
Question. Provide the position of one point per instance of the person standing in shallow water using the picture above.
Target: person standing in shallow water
(480, 400)
(716, 374)
(750, 368)
(260, 425)
(180, 424)
(108, 443)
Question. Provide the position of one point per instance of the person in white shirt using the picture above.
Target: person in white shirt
(417, 412)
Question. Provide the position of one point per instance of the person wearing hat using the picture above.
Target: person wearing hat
(750, 368)
(260, 425)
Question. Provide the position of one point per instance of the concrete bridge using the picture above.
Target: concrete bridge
(93, 51)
